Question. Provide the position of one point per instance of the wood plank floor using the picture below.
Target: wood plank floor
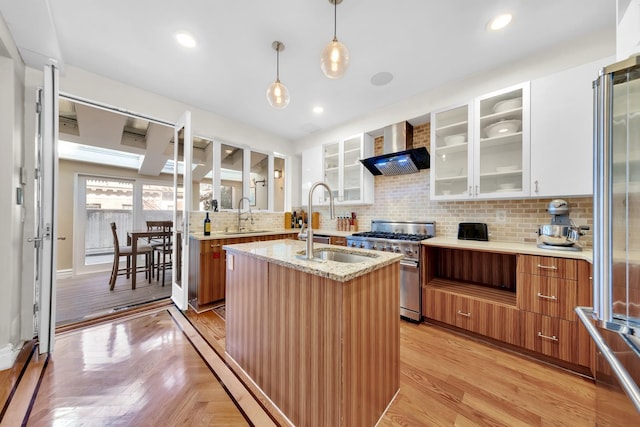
(156, 369)
(87, 296)
(447, 379)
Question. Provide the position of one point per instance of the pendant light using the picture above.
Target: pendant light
(335, 56)
(278, 94)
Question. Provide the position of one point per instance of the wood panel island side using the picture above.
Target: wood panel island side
(320, 338)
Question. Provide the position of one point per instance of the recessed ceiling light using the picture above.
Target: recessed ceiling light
(499, 22)
(382, 78)
(186, 39)
(318, 109)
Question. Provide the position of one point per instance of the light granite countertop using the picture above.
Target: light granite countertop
(507, 247)
(219, 234)
(284, 252)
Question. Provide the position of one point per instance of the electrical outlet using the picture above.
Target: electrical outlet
(501, 215)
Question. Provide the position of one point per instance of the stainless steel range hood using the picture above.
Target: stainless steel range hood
(399, 157)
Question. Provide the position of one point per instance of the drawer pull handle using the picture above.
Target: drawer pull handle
(548, 267)
(464, 314)
(552, 297)
(546, 337)
(215, 246)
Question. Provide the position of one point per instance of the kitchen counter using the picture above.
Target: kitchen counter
(507, 247)
(283, 252)
(320, 338)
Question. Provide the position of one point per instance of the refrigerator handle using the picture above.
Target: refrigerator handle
(585, 315)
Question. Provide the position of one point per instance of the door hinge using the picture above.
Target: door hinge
(38, 107)
(36, 308)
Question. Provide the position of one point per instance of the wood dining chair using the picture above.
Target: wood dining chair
(126, 251)
(162, 247)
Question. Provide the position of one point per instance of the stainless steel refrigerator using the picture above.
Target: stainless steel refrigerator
(614, 321)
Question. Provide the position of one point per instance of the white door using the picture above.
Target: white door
(45, 212)
(182, 149)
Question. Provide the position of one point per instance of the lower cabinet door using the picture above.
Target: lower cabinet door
(447, 308)
(563, 339)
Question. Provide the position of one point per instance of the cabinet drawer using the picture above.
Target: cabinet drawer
(559, 338)
(548, 266)
(550, 296)
(209, 246)
(496, 321)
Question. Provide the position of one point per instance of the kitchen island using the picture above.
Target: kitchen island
(320, 338)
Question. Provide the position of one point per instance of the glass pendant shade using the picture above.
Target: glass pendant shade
(278, 95)
(334, 60)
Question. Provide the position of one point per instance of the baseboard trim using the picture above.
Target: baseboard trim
(8, 355)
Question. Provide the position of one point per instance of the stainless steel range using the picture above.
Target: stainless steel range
(400, 237)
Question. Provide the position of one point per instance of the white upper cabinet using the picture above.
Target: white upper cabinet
(481, 150)
(562, 132)
(451, 153)
(502, 133)
(338, 165)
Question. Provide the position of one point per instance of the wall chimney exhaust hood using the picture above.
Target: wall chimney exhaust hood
(399, 157)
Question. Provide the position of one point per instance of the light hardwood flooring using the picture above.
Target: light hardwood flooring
(88, 296)
(157, 368)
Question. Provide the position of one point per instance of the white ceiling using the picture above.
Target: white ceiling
(423, 43)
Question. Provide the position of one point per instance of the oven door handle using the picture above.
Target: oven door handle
(406, 263)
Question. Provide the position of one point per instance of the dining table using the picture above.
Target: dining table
(132, 240)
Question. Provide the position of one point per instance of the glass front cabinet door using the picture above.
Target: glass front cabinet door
(480, 150)
(501, 157)
(350, 183)
(451, 165)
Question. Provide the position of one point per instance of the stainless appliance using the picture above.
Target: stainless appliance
(399, 157)
(616, 246)
(562, 233)
(400, 237)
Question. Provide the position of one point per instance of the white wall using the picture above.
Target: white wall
(11, 117)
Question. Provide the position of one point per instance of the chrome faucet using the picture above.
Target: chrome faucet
(309, 234)
(250, 215)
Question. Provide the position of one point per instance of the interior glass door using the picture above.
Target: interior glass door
(182, 158)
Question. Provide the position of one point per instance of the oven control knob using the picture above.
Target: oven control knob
(408, 252)
(389, 248)
(396, 249)
(353, 244)
(361, 245)
(374, 247)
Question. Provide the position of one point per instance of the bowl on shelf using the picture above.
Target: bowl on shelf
(455, 139)
(507, 185)
(502, 128)
(507, 104)
(509, 168)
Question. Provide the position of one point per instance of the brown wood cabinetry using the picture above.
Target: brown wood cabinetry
(310, 342)
(483, 310)
(472, 290)
(337, 240)
(549, 289)
(523, 300)
(207, 267)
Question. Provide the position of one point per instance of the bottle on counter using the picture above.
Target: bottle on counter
(294, 219)
(207, 225)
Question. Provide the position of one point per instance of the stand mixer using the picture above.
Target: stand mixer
(562, 233)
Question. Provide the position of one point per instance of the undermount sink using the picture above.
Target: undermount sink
(338, 256)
